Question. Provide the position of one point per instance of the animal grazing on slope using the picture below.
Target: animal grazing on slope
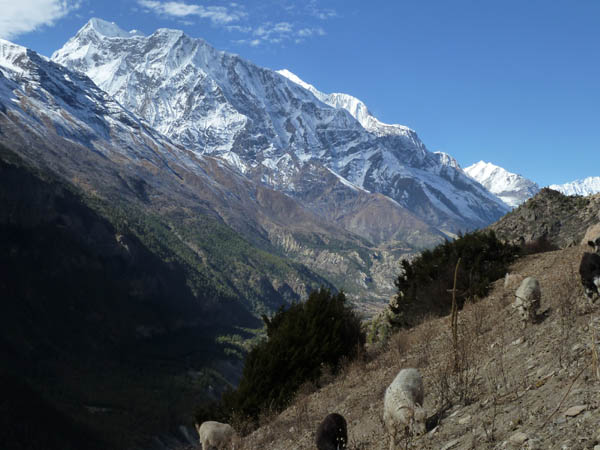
(215, 434)
(527, 299)
(589, 270)
(403, 406)
(332, 433)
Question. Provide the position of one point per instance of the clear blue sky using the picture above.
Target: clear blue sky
(513, 82)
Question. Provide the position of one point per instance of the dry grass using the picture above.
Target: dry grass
(501, 379)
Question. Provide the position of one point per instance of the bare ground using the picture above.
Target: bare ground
(513, 387)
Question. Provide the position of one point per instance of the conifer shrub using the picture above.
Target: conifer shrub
(425, 284)
(302, 341)
(540, 245)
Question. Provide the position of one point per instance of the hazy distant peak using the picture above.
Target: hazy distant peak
(587, 186)
(513, 189)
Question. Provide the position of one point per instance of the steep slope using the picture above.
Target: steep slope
(512, 189)
(61, 122)
(587, 186)
(98, 326)
(561, 220)
(102, 147)
(532, 388)
(270, 128)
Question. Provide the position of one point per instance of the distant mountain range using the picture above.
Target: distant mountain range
(587, 186)
(515, 189)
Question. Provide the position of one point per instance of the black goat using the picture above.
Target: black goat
(589, 270)
(332, 433)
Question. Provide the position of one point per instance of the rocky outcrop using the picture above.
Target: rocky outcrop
(550, 215)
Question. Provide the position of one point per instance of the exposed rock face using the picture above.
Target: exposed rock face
(560, 219)
(60, 121)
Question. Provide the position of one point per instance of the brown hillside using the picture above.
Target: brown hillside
(517, 388)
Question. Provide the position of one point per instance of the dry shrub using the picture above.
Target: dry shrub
(454, 372)
(568, 297)
(399, 344)
(424, 338)
(540, 245)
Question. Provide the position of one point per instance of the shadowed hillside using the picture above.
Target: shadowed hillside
(99, 326)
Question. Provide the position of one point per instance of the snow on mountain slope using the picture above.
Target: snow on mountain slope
(513, 189)
(355, 107)
(270, 126)
(587, 186)
(62, 123)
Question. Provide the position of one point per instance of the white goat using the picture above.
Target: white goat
(215, 434)
(403, 406)
(527, 299)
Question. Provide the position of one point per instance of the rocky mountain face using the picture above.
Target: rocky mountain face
(587, 186)
(511, 188)
(561, 220)
(275, 130)
(60, 122)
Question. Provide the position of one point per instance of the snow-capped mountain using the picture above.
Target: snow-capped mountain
(513, 189)
(587, 186)
(272, 127)
(62, 123)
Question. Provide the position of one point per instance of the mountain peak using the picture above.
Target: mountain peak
(273, 127)
(447, 160)
(107, 29)
(296, 79)
(513, 189)
(354, 106)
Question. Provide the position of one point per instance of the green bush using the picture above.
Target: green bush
(302, 341)
(425, 284)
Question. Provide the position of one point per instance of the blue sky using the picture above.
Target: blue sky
(513, 82)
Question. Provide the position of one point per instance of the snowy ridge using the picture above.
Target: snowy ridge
(11, 57)
(513, 189)
(272, 126)
(587, 186)
(354, 106)
(33, 87)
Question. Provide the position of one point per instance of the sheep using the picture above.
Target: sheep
(511, 280)
(403, 406)
(332, 433)
(589, 270)
(215, 434)
(527, 299)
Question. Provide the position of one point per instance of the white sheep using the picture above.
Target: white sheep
(527, 299)
(403, 410)
(215, 434)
